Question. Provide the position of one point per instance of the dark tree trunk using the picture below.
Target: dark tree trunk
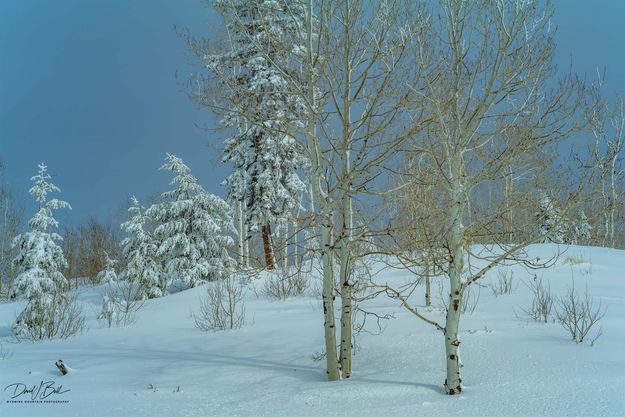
(269, 261)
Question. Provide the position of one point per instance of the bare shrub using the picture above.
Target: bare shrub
(4, 354)
(578, 314)
(223, 306)
(282, 284)
(575, 260)
(542, 300)
(469, 300)
(504, 284)
(120, 304)
(63, 318)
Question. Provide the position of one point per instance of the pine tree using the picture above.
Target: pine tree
(265, 35)
(193, 229)
(139, 249)
(552, 225)
(581, 230)
(108, 275)
(39, 264)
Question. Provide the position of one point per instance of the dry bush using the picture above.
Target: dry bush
(542, 300)
(504, 284)
(64, 318)
(578, 314)
(470, 300)
(223, 307)
(120, 305)
(4, 354)
(575, 260)
(282, 284)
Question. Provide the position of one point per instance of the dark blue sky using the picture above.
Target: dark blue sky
(89, 87)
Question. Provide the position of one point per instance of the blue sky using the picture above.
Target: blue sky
(89, 87)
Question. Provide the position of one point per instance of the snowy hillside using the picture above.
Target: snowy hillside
(162, 365)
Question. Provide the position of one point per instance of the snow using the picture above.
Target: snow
(163, 366)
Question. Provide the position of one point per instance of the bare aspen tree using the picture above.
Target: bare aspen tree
(487, 84)
(364, 71)
(11, 215)
(354, 68)
(323, 210)
(607, 153)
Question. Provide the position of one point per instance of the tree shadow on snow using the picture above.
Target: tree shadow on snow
(430, 387)
(163, 361)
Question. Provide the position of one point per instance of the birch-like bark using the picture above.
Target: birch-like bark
(346, 205)
(428, 298)
(285, 245)
(296, 245)
(332, 361)
(509, 182)
(456, 265)
(613, 198)
(324, 214)
(246, 242)
(242, 237)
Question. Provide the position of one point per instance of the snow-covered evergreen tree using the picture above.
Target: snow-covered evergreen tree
(108, 275)
(552, 225)
(140, 249)
(265, 36)
(39, 263)
(581, 229)
(109, 310)
(193, 229)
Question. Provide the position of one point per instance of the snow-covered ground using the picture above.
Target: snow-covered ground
(162, 365)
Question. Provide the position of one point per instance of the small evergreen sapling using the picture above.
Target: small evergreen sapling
(108, 275)
(581, 230)
(38, 264)
(552, 225)
(139, 248)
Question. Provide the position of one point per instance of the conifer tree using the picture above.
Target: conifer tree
(39, 264)
(265, 35)
(139, 249)
(108, 275)
(581, 230)
(193, 229)
(552, 226)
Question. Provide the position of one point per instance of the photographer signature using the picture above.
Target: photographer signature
(40, 391)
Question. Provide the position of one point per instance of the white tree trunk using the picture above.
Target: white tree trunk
(332, 361)
(453, 381)
(324, 214)
(285, 245)
(428, 298)
(613, 198)
(606, 211)
(456, 265)
(242, 236)
(246, 246)
(509, 183)
(346, 204)
(296, 245)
